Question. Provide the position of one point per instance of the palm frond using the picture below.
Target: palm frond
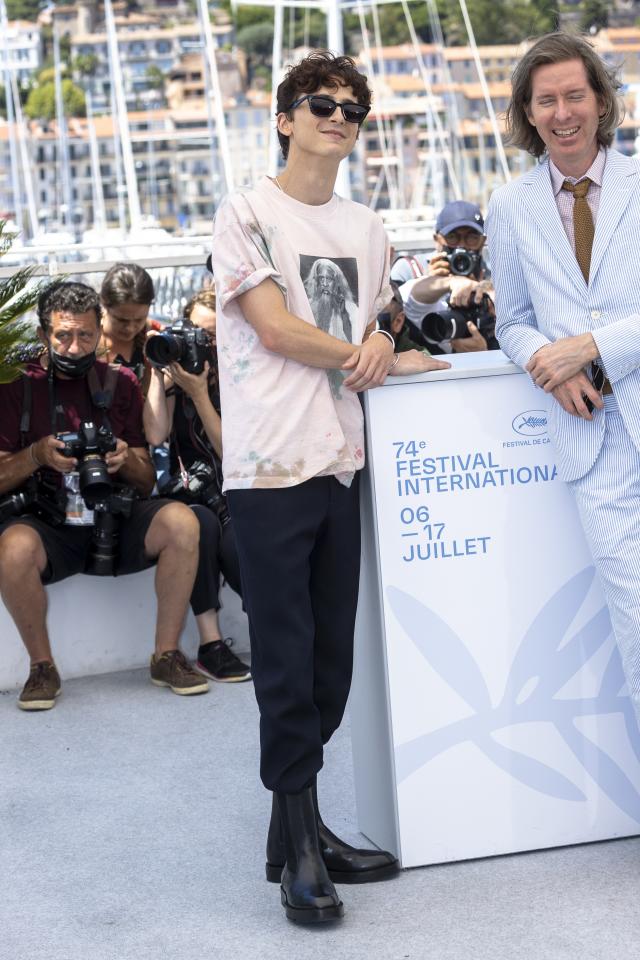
(6, 240)
(15, 284)
(18, 294)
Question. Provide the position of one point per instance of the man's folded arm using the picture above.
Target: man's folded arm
(283, 333)
(618, 345)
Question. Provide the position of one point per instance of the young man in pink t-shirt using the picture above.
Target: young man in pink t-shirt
(301, 275)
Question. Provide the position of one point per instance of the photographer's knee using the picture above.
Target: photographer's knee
(21, 550)
(175, 526)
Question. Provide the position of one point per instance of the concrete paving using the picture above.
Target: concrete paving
(132, 827)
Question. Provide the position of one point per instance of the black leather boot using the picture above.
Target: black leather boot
(345, 864)
(307, 893)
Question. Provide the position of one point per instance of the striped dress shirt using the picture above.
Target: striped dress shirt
(564, 199)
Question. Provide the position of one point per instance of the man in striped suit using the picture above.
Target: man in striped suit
(564, 245)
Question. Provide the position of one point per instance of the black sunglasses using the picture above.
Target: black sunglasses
(322, 106)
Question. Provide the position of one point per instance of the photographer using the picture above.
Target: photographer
(70, 434)
(126, 295)
(393, 320)
(455, 283)
(184, 407)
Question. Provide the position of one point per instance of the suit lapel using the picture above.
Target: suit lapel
(541, 204)
(618, 183)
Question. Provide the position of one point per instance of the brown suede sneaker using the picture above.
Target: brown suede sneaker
(41, 689)
(173, 670)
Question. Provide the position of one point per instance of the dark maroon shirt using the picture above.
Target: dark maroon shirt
(125, 412)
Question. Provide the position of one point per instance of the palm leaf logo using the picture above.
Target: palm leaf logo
(547, 658)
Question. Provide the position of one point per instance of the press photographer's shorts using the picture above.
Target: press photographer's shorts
(67, 547)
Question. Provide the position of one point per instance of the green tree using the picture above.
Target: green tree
(246, 16)
(393, 26)
(498, 21)
(256, 39)
(41, 103)
(23, 9)
(263, 72)
(85, 64)
(17, 295)
(47, 75)
(595, 15)
(155, 77)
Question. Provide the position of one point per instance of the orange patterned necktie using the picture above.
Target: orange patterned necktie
(582, 223)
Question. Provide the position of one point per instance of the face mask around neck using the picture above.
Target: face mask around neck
(73, 367)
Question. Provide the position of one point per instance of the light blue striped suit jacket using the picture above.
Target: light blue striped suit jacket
(542, 296)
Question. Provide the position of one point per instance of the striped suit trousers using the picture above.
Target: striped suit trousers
(608, 501)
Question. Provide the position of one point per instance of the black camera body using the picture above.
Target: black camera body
(463, 262)
(89, 445)
(199, 485)
(180, 343)
(38, 499)
(451, 323)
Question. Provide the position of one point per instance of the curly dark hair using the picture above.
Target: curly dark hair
(558, 48)
(319, 69)
(70, 297)
(127, 283)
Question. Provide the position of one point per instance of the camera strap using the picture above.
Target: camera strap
(102, 394)
(25, 418)
(27, 405)
(414, 266)
(58, 419)
(184, 473)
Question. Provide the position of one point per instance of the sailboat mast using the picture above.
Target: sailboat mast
(120, 117)
(208, 96)
(276, 77)
(335, 43)
(218, 106)
(63, 141)
(13, 151)
(99, 214)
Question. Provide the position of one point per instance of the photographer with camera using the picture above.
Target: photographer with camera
(183, 405)
(126, 295)
(463, 319)
(75, 476)
(392, 319)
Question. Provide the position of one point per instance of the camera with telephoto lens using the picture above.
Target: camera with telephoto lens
(450, 323)
(89, 445)
(107, 514)
(37, 498)
(199, 485)
(462, 262)
(180, 343)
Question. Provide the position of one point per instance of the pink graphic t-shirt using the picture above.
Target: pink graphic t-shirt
(282, 421)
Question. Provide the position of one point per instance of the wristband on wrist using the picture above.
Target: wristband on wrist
(34, 458)
(396, 357)
(386, 334)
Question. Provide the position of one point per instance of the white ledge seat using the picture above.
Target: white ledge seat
(105, 624)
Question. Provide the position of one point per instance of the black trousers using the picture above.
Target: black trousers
(218, 558)
(299, 550)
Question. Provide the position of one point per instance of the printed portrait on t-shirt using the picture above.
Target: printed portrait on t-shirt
(332, 288)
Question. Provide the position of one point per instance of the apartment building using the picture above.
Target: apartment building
(176, 157)
(21, 50)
